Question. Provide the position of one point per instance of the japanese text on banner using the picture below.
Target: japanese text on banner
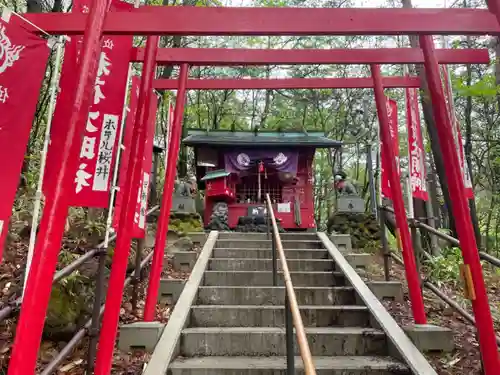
(143, 190)
(457, 135)
(98, 150)
(392, 112)
(23, 58)
(93, 171)
(125, 156)
(415, 147)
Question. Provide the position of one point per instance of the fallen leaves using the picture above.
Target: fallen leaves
(465, 359)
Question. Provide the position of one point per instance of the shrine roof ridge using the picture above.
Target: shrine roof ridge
(264, 138)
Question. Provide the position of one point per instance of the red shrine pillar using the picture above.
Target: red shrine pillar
(124, 238)
(460, 209)
(417, 302)
(48, 244)
(166, 201)
(494, 7)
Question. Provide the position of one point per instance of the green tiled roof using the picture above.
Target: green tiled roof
(215, 174)
(261, 139)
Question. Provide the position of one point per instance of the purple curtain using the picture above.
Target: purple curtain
(243, 160)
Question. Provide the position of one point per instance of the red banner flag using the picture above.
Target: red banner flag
(415, 147)
(98, 148)
(139, 228)
(392, 111)
(127, 143)
(23, 58)
(457, 134)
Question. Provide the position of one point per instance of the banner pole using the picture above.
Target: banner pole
(114, 187)
(417, 303)
(408, 181)
(54, 86)
(166, 201)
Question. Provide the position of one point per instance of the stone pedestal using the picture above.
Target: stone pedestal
(140, 335)
(387, 290)
(184, 261)
(431, 338)
(183, 204)
(170, 290)
(342, 241)
(350, 203)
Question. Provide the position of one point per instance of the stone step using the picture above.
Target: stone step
(340, 365)
(258, 295)
(267, 341)
(264, 236)
(265, 278)
(267, 254)
(266, 244)
(274, 316)
(248, 264)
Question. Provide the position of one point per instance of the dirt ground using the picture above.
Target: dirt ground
(123, 363)
(465, 359)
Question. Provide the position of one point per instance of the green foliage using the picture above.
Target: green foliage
(185, 223)
(95, 227)
(485, 87)
(372, 246)
(70, 298)
(445, 268)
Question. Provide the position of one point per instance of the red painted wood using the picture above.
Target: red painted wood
(117, 275)
(278, 21)
(166, 201)
(412, 276)
(303, 189)
(48, 242)
(286, 83)
(218, 188)
(245, 56)
(460, 208)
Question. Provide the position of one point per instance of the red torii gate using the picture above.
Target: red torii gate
(154, 21)
(285, 83)
(246, 56)
(200, 21)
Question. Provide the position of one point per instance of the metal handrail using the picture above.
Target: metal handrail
(291, 304)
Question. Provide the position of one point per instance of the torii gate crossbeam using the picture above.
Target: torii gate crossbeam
(286, 83)
(246, 56)
(209, 21)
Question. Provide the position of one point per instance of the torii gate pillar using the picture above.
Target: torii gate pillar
(474, 281)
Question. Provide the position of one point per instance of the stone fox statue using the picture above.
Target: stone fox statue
(186, 188)
(343, 185)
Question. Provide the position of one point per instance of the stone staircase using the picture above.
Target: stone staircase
(235, 323)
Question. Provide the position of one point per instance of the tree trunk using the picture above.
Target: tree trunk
(488, 222)
(166, 73)
(468, 153)
(433, 196)
(432, 131)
